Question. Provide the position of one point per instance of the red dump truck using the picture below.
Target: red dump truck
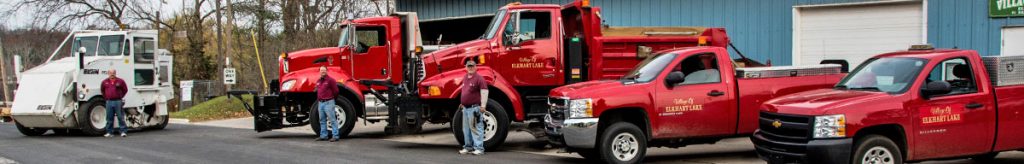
(527, 50)
(906, 106)
(679, 97)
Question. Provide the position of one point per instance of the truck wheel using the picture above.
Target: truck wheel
(495, 126)
(162, 124)
(343, 111)
(27, 131)
(622, 143)
(876, 149)
(92, 117)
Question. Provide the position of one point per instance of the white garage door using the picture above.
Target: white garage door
(1013, 41)
(855, 32)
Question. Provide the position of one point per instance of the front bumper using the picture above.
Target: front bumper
(836, 151)
(573, 132)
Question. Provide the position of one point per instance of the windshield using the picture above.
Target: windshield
(107, 45)
(649, 68)
(495, 22)
(892, 75)
(342, 41)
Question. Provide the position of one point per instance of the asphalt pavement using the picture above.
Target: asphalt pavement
(234, 141)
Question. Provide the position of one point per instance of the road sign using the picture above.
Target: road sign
(229, 76)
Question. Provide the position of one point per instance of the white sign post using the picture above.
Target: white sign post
(186, 90)
(229, 76)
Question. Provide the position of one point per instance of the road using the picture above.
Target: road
(233, 141)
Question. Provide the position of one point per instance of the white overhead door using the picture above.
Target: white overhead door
(855, 32)
(1013, 41)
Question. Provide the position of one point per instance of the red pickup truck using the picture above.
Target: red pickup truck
(913, 105)
(679, 97)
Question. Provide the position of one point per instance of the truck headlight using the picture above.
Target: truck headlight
(831, 126)
(580, 108)
(287, 85)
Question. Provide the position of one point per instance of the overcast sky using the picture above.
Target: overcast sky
(23, 19)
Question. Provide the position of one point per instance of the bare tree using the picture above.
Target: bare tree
(64, 13)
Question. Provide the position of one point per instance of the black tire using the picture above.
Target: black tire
(884, 148)
(162, 124)
(27, 131)
(500, 133)
(985, 158)
(622, 131)
(85, 121)
(346, 126)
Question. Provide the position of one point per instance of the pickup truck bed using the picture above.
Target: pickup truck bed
(1010, 113)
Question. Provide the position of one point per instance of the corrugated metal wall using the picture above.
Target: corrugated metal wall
(761, 29)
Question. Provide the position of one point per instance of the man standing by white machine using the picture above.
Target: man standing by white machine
(113, 90)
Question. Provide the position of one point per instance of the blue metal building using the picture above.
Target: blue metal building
(765, 29)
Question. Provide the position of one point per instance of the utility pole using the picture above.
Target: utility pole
(3, 75)
(220, 40)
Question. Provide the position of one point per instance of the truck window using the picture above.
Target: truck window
(370, 37)
(492, 29)
(144, 49)
(957, 72)
(89, 42)
(649, 68)
(143, 77)
(699, 69)
(535, 25)
(532, 25)
(892, 75)
(110, 45)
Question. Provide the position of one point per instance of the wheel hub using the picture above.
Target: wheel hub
(878, 155)
(98, 117)
(490, 126)
(625, 147)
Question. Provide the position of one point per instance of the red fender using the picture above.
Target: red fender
(450, 85)
(305, 81)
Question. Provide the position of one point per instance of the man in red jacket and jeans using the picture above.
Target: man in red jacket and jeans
(326, 90)
(113, 89)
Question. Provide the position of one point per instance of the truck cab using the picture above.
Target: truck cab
(678, 97)
(896, 107)
(63, 93)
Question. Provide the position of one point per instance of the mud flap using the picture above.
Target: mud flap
(265, 109)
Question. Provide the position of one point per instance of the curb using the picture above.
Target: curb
(179, 121)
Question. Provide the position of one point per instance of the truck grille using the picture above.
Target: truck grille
(785, 133)
(421, 70)
(557, 108)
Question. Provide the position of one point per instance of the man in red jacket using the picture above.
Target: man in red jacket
(113, 90)
(326, 90)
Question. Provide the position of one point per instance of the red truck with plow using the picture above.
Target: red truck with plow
(527, 50)
(679, 97)
(906, 106)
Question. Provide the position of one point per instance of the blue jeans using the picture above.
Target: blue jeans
(473, 140)
(114, 107)
(326, 110)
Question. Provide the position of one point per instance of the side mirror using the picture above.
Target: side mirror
(674, 78)
(936, 88)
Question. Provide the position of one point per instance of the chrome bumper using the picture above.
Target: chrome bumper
(573, 132)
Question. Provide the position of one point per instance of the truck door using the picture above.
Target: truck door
(370, 54)
(957, 123)
(530, 54)
(699, 105)
(143, 52)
